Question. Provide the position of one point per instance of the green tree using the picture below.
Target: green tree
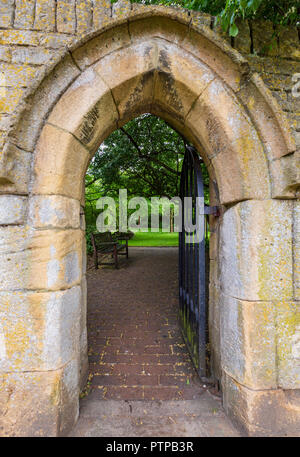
(145, 157)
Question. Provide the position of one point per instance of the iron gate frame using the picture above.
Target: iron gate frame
(193, 312)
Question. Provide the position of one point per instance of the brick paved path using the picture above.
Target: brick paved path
(136, 351)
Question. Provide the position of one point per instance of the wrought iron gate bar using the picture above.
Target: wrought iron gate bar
(192, 279)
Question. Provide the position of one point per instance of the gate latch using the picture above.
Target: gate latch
(213, 210)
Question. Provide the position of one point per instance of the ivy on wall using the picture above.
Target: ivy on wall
(280, 12)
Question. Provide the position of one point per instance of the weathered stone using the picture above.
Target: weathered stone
(12, 209)
(18, 75)
(39, 395)
(289, 43)
(15, 170)
(31, 55)
(121, 8)
(176, 87)
(6, 12)
(25, 37)
(242, 42)
(268, 118)
(296, 249)
(54, 211)
(265, 43)
(285, 174)
(24, 14)
(101, 13)
(102, 45)
(39, 331)
(84, 364)
(256, 251)
(43, 100)
(227, 136)
(248, 342)
(84, 15)
(45, 15)
(50, 402)
(130, 75)
(262, 413)
(288, 344)
(65, 16)
(216, 54)
(66, 157)
(42, 260)
(94, 115)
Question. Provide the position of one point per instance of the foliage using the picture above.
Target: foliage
(280, 12)
(145, 157)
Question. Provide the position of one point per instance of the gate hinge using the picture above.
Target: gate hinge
(214, 210)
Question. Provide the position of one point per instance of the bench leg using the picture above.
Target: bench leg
(116, 257)
(96, 261)
(127, 255)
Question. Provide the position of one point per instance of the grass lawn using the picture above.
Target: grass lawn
(154, 239)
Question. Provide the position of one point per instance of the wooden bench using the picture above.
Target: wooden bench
(106, 244)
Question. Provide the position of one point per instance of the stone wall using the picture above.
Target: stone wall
(34, 32)
(110, 63)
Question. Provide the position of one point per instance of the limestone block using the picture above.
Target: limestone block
(6, 12)
(11, 100)
(24, 14)
(296, 249)
(101, 13)
(39, 404)
(18, 75)
(103, 44)
(248, 342)
(12, 209)
(29, 404)
(160, 27)
(31, 55)
(207, 46)
(285, 173)
(84, 364)
(13, 239)
(56, 40)
(65, 16)
(25, 37)
(5, 54)
(288, 344)
(60, 164)
(121, 8)
(262, 413)
(84, 15)
(45, 15)
(42, 101)
(15, 170)
(50, 211)
(242, 42)
(130, 75)
(176, 87)
(69, 397)
(228, 137)
(41, 260)
(289, 43)
(39, 331)
(214, 330)
(94, 115)
(199, 19)
(256, 251)
(265, 43)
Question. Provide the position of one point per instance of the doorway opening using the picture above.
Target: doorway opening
(139, 349)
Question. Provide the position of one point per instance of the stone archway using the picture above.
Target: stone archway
(151, 62)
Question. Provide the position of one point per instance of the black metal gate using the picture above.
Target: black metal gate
(192, 268)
